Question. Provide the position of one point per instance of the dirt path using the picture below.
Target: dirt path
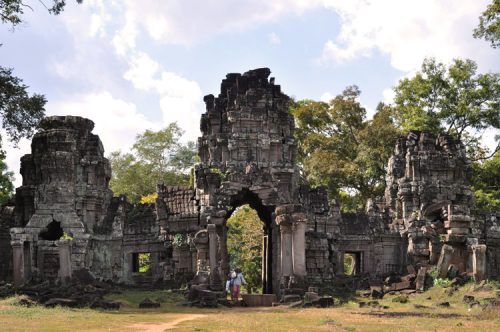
(165, 326)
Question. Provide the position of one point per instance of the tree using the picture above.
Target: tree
(453, 99)
(342, 150)
(155, 157)
(244, 245)
(20, 112)
(6, 178)
(489, 24)
(12, 10)
(486, 184)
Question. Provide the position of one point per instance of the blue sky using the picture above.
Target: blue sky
(133, 65)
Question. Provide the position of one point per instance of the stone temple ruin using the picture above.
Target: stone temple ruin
(65, 218)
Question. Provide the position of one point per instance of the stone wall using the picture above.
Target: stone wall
(6, 222)
(65, 194)
(486, 227)
(429, 196)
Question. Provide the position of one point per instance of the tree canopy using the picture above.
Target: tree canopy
(342, 150)
(454, 99)
(156, 156)
(489, 24)
(11, 11)
(486, 184)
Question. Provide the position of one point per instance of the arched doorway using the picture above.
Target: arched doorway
(245, 244)
(246, 200)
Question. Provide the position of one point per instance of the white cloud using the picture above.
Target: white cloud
(274, 38)
(189, 21)
(180, 98)
(142, 71)
(388, 96)
(407, 31)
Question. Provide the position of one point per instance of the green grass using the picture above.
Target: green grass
(349, 317)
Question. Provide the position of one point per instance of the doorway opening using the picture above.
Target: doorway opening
(141, 262)
(249, 241)
(353, 263)
(245, 245)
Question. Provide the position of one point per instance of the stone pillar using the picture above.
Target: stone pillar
(286, 250)
(479, 262)
(212, 247)
(444, 260)
(299, 244)
(64, 260)
(215, 280)
(18, 263)
(200, 241)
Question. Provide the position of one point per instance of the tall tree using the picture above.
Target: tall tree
(20, 112)
(489, 24)
(454, 99)
(342, 150)
(155, 157)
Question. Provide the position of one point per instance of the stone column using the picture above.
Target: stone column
(286, 247)
(285, 221)
(212, 247)
(444, 260)
(18, 263)
(215, 280)
(299, 244)
(64, 260)
(479, 262)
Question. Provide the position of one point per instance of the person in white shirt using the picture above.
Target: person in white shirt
(237, 282)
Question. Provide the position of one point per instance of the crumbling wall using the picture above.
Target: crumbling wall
(6, 222)
(429, 196)
(322, 230)
(177, 210)
(486, 228)
(65, 184)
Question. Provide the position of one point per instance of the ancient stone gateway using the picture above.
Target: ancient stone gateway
(247, 154)
(64, 217)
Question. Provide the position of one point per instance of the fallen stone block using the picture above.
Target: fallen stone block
(444, 304)
(468, 298)
(291, 298)
(61, 302)
(326, 301)
(376, 292)
(148, 304)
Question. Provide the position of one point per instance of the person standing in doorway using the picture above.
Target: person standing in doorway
(237, 282)
(229, 285)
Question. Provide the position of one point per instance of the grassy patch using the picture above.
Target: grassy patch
(399, 316)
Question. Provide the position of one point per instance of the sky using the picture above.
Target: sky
(133, 65)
